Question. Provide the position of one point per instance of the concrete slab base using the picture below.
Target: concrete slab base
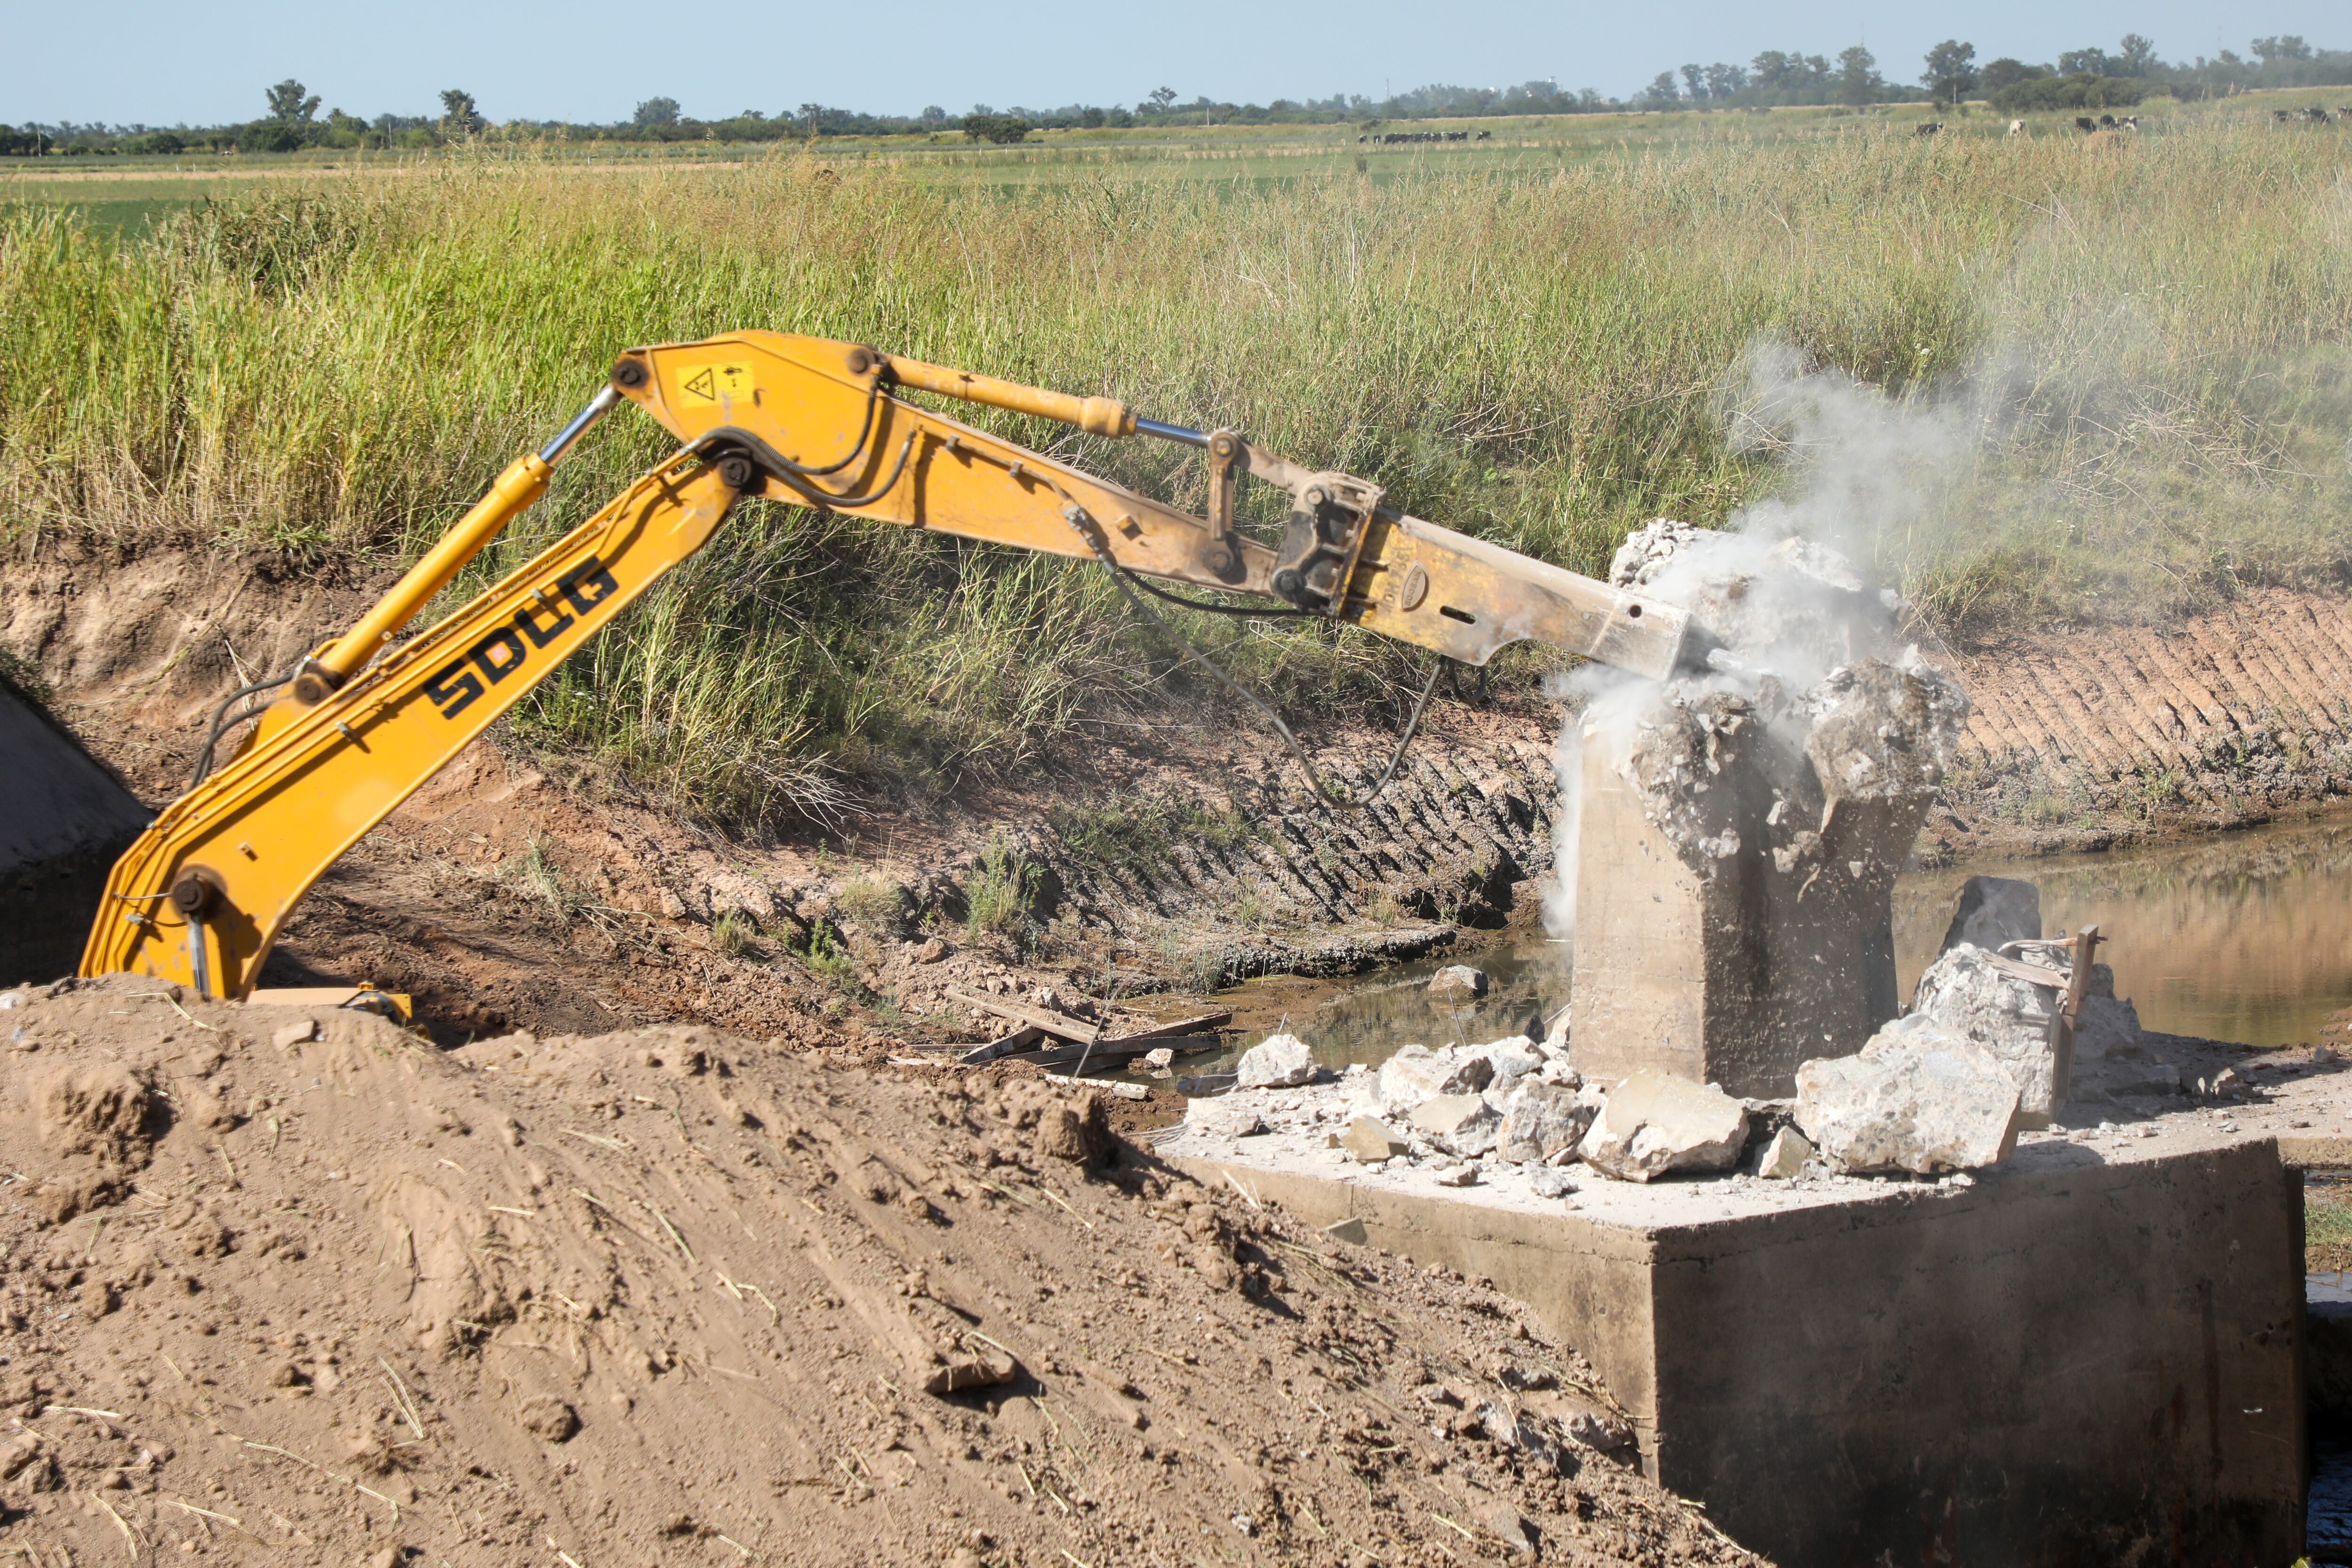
(2085, 1357)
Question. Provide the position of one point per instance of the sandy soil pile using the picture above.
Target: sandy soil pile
(295, 1288)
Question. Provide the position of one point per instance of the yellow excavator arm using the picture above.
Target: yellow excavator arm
(361, 723)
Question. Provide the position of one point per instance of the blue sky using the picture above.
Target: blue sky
(162, 61)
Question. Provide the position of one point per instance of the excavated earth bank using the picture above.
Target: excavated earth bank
(292, 1287)
(501, 897)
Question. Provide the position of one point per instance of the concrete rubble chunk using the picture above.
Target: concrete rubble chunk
(1541, 1120)
(1965, 992)
(1457, 983)
(1550, 1181)
(1463, 1175)
(1785, 1155)
(1277, 1061)
(1992, 910)
(1369, 1139)
(1920, 1097)
(1738, 829)
(1653, 1123)
(1350, 1231)
(1462, 1124)
(1416, 1072)
(1512, 1058)
(1222, 1117)
(2107, 1030)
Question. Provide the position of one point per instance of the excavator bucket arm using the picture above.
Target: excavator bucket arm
(364, 721)
(820, 417)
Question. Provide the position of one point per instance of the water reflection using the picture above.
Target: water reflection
(2243, 936)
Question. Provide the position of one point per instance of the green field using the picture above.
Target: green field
(132, 192)
(2055, 377)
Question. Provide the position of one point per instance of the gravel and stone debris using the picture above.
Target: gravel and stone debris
(1968, 994)
(1920, 1097)
(1277, 1061)
(1785, 1155)
(1653, 1123)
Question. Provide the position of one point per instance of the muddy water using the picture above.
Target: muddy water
(2243, 936)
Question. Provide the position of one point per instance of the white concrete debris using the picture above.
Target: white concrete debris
(1416, 1072)
(1991, 910)
(1550, 1181)
(1457, 983)
(1963, 992)
(1652, 1123)
(1540, 1120)
(1371, 1140)
(1785, 1155)
(1513, 1056)
(1461, 1123)
(1222, 1118)
(2107, 1030)
(1919, 1097)
(1277, 1061)
(1463, 1174)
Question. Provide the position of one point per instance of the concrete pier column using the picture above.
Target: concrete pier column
(1717, 962)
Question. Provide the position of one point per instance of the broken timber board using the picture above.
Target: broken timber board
(1162, 1031)
(1054, 1024)
(1020, 1040)
(1115, 1049)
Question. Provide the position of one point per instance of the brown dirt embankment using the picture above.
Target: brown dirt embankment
(1172, 860)
(2084, 737)
(294, 1287)
(499, 895)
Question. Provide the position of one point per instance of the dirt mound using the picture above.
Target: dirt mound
(296, 1282)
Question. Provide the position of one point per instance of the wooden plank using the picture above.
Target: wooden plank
(2031, 974)
(1053, 1023)
(1112, 1050)
(1199, 1025)
(1020, 1040)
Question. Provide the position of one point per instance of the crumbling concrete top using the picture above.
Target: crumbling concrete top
(2305, 1105)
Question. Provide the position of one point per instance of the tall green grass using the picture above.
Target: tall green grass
(2143, 344)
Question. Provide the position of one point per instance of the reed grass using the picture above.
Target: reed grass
(2116, 373)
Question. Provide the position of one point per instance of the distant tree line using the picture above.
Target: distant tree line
(2089, 77)
(2079, 79)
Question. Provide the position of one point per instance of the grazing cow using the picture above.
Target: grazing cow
(2283, 116)
(2017, 128)
(2316, 114)
(1486, 136)
(2106, 123)
(1928, 128)
(2127, 123)
(2084, 122)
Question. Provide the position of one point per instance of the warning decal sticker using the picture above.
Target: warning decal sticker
(717, 383)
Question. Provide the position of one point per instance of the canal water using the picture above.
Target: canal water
(2241, 937)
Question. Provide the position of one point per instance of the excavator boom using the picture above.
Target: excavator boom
(362, 723)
